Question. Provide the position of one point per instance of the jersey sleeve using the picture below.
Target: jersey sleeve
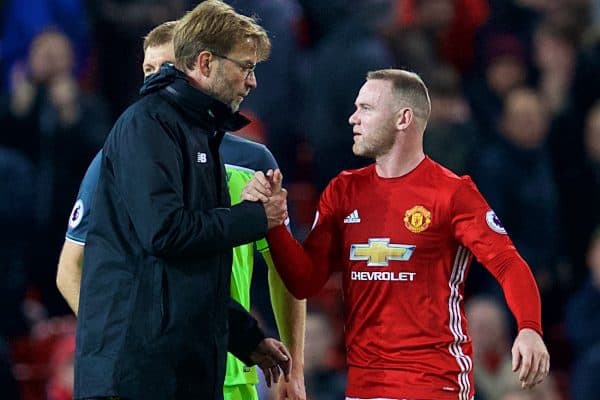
(77, 226)
(476, 226)
(268, 160)
(305, 268)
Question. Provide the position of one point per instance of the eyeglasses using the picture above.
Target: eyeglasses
(247, 67)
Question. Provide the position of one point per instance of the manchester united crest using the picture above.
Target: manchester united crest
(417, 219)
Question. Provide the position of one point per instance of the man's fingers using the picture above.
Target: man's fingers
(268, 379)
(527, 370)
(259, 184)
(516, 359)
(260, 178)
(286, 364)
(280, 354)
(283, 359)
(258, 188)
(276, 373)
(252, 194)
(275, 179)
(542, 369)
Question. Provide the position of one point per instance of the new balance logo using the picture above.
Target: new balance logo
(353, 218)
(201, 157)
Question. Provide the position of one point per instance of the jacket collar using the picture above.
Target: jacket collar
(197, 105)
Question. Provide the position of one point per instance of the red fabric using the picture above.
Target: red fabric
(456, 44)
(405, 321)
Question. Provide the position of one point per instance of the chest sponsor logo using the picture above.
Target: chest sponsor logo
(494, 222)
(76, 214)
(379, 252)
(382, 276)
(417, 219)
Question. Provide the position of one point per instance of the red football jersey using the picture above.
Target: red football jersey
(404, 246)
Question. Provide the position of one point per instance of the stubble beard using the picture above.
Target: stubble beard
(379, 143)
(235, 105)
(220, 89)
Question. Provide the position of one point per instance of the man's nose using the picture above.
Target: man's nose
(251, 80)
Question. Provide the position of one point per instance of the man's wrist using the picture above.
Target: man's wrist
(297, 364)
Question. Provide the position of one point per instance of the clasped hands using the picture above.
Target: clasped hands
(267, 188)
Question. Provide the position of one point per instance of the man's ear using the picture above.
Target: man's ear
(203, 63)
(404, 117)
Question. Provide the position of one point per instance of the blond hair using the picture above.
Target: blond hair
(160, 35)
(215, 26)
(409, 89)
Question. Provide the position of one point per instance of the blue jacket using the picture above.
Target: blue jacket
(154, 309)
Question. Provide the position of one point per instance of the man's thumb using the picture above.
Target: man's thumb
(277, 181)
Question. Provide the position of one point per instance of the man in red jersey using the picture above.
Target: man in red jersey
(403, 231)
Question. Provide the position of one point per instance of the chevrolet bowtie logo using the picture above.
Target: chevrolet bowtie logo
(379, 251)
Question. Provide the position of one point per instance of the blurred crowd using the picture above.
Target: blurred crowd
(515, 90)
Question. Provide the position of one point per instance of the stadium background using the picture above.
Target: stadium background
(515, 86)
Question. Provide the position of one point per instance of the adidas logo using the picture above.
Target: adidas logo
(353, 218)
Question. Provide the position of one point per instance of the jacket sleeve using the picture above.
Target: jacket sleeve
(244, 333)
(147, 164)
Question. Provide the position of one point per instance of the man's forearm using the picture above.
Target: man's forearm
(70, 292)
(244, 332)
(520, 289)
(68, 276)
(290, 315)
(302, 276)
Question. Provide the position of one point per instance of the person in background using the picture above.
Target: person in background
(452, 134)
(489, 331)
(326, 382)
(582, 321)
(514, 173)
(58, 126)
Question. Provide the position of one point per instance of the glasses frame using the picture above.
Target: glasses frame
(248, 67)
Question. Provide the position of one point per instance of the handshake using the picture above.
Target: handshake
(267, 189)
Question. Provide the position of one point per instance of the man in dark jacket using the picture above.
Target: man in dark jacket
(154, 311)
